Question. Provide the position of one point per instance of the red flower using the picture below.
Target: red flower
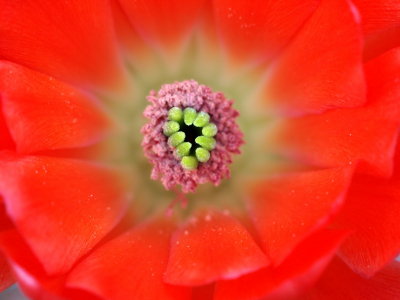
(311, 208)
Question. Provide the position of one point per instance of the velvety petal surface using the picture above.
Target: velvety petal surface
(205, 292)
(286, 209)
(61, 207)
(383, 76)
(32, 279)
(72, 40)
(212, 246)
(344, 136)
(6, 276)
(372, 209)
(298, 272)
(256, 30)
(131, 266)
(380, 42)
(45, 114)
(163, 24)
(378, 15)
(6, 141)
(321, 68)
(339, 282)
(381, 25)
(128, 38)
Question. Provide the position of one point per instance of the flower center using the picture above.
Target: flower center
(190, 136)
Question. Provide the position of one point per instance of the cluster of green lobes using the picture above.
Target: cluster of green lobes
(191, 134)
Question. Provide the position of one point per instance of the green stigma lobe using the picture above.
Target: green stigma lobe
(175, 114)
(209, 130)
(189, 115)
(183, 149)
(191, 135)
(189, 162)
(202, 155)
(176, 139)
(202, 119)
(171, 127)
(206, 142)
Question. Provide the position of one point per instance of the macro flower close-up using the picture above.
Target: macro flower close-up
(200, 149)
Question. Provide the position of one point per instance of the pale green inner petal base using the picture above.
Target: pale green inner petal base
(206, 67)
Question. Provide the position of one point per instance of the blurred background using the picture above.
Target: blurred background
(13, 293)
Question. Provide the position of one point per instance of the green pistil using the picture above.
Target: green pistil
(194, 126)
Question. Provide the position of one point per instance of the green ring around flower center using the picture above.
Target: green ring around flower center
(191, 134)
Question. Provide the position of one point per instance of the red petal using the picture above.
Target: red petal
(372, 209)
(130, 267)
(288, 208)
(163, 24)
(6, 276)
(127, 37)
(32, 279)
(341, 137)
(45, 114)
(378, 15)
(209, 247)
(27, 270)
(257, 29)
(6, 141)
(61, 207)
(296, 274)
(381, 24)
(321, 69)
(383, 76)
(20, 255)
(205, 292)
(72, 40)
(339, 282)
(378, 43)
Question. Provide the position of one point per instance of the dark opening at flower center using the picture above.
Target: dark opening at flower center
(190, 136)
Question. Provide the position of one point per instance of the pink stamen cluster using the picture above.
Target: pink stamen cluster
(166, 167)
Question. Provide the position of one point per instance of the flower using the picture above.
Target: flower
(311, 206)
